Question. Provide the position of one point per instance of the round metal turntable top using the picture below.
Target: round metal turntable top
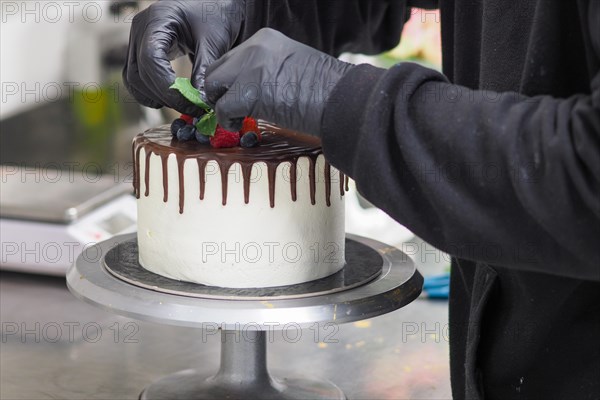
(398, 284)
(363, 265)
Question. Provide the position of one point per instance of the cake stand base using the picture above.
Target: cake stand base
(243, 375)
(189, 385)
(243, 372)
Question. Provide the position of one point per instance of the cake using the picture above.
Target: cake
(267, 216)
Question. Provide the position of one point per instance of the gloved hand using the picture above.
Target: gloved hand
(274, 78)
(205, 30)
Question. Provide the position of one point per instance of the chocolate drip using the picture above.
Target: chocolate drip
(164, 159)
(347, 179)
(342, 191)
(224, 167)
(278, 146)
(246, 176)
(202, 175)
(272, 171)
(312, 178)
(147, 173)
(136, 171)
(294, 178)
(135, 184)
(180, 164)
(328, 184)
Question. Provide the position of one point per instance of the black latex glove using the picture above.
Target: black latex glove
(205, 30)
(274, 78)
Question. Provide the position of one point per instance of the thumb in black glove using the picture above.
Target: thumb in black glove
(274, 78)
(205, 30)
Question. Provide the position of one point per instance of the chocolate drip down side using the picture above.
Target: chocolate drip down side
(277, 147)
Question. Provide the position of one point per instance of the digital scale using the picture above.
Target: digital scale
(48, 217)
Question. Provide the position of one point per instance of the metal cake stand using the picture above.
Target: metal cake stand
(114, 281)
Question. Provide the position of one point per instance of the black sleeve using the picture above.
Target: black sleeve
(332, 26)
(492, 177)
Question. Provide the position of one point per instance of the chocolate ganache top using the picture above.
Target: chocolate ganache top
(277, 146)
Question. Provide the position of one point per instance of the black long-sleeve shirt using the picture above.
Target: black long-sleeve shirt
(496, 161)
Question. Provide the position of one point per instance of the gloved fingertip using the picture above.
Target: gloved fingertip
(232, 125)
(198, 81)
(177, 102)
(213, 91)
(147, 102)
(194, 111)
(142, 99)
(236, 124)
(205, 98)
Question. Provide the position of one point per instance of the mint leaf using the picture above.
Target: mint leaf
(207, 124)
(185, 87)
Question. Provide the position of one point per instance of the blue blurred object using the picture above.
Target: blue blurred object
(437, 286)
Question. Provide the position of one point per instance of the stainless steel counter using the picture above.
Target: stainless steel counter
(55, 346)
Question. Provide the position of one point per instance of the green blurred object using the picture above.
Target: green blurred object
(98, 116)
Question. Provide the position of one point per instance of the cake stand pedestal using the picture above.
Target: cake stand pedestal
(243, 373)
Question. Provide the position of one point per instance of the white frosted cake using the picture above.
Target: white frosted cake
(267, 216)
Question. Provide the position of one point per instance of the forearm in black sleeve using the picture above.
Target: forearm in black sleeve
(332, 26)
(492, 177)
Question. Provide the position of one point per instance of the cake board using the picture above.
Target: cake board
(243, 372)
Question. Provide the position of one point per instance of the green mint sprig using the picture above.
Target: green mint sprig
(207, 125)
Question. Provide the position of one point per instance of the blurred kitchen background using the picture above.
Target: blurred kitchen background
(63, 99)
(67, 123)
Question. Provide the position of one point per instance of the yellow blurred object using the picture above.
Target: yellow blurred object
(421, 39)
(362, 324)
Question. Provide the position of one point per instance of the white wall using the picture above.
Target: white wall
(44, 44)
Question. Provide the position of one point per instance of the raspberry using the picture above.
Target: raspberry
(187, 118)
(250, 125)
(223, 138)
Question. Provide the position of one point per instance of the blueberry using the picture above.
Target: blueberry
(250, 139)
(202, 138)
(186, 133)
(177, 125)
